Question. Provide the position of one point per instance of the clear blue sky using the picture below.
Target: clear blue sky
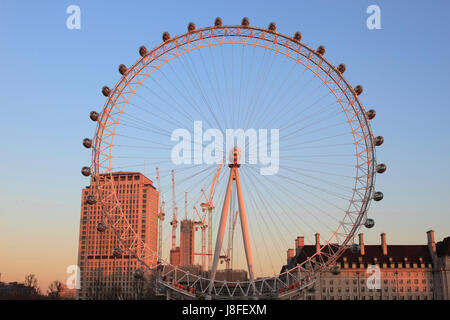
(52, 77)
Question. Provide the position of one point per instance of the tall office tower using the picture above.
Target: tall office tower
(103, 276)
(187, 232)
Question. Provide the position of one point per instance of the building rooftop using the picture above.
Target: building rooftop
(395, 254)
(370, 254)
(443, 247)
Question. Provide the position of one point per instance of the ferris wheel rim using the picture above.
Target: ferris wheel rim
(191, 37)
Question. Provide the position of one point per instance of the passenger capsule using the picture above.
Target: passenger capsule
(218, 22)
(122, 69)
(335, 270)
(94, 116)
(371, 114)
(272, 27)
(358, 89)
(341, 68)
(355, 248)
(321, 50)
(378, 196)
(308, 265)
(117, 252)
(166, 36)
(142, 51)
(101, 227)
(379, 141)
(245, 22)
(90, 199)
(191, 27)
(381, 168)
(86, 171)
(370, 223)
(298, 36)
(87, 143)
(106, 91)
(138, 274)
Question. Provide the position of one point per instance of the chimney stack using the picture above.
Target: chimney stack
(290, 255)
(361, 243)
(431, 243)
(317, 242)
(383, 243)
(299, 244)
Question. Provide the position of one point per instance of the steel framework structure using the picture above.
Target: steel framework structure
(358, 120)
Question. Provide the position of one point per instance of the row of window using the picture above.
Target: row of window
(394, 297)
(400, 281)
(363, 289)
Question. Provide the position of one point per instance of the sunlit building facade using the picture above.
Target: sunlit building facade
(187, 242)
(381, 272)
(103, 276)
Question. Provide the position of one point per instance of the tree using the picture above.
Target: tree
(32, 282)
(54, 289)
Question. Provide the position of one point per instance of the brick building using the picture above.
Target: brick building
(406, 272)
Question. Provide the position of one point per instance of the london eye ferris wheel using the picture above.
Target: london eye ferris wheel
(306, 165)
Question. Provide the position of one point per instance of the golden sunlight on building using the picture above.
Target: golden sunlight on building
(406, 272)
(104, 274)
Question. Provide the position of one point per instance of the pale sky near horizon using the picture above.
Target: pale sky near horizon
(52, 78)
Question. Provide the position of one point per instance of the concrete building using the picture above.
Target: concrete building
(187, 245)
(102, 275)
(184, 254)
(406, 272)
(175, 256)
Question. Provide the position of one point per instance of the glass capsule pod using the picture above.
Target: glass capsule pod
(117, 252)
(90, 199)
(335, 270)
(272, 27)
(321, 50)
(381, 168)
(122, 69)
(106, 91)
(355, 248)
(86, 171)
(191, 27)
(166, 36)
(370, 223)
(371, 114)
(359, 89)
(138, 274)
(94, 116)
(379, 141)
(218, 22)
(101, 227)
(378, 196)
(87, 143)
(298, 36)
(142, 51)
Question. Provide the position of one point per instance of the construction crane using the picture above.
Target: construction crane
(208, 206)
(174, 222)
(203, 226)
(185, 206)
(230, 242)
(160, 216)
